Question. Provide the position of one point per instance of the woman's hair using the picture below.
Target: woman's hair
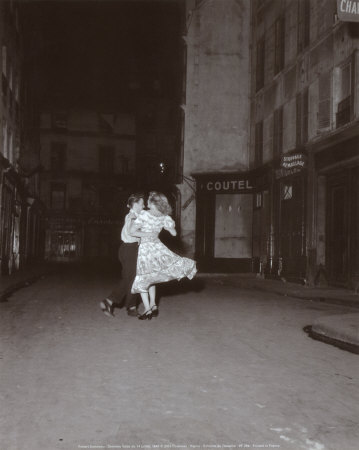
(161, 202)
(134, 198)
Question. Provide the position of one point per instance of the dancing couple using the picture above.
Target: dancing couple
(145, 260)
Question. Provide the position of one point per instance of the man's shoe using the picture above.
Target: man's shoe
(132, 312)
(107, 308)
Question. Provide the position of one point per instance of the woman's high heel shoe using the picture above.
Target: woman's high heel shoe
(154, 311)
(147, 315)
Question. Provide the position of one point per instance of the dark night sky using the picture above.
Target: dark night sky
(89, 53)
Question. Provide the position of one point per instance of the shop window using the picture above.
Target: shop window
(287, 191)
(279, 28)
(260, 56)
(258, 200)
(106, 159)
(63, 244)
(233, 226)
(58, 196)
(58, 156)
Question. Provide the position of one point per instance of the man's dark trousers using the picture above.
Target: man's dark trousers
(122, 293)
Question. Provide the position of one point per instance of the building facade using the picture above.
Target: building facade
(304, 151)
(20, 209)
(88, 161)
(216, 194)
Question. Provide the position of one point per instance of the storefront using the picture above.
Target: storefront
(289, 191)
(224, 205)
(75, 238)
(337, 213)
(64, 237)
(263, 220)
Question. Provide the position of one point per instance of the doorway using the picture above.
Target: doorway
(342, 226)
(292, 228)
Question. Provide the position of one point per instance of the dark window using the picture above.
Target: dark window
(184, 72)
(278, 132)
(298, 120)
(279, 45)
(346, 95)
(59, 120)
(302, 113)
(106, 198)
(305, 115)
(58, 156)
(105, 123)
(58, 196)
(258, 150)
(324, 100)
(260, 64)
(106, 159)
(4, 89)
(303, 25)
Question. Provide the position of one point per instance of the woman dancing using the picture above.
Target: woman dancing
(156, 263)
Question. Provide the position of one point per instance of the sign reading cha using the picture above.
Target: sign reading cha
(348, 10)
(228, 185)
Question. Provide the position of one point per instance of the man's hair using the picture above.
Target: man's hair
(134, 198)
(161, 202)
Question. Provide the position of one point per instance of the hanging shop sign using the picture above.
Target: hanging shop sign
(348, 10)
(296, 160)
(291, 164)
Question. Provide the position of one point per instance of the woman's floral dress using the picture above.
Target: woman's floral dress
(156, 263)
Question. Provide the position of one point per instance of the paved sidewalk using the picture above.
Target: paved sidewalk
(251, 281)
(340, 330)
(22, 278)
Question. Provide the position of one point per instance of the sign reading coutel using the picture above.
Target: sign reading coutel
(228, 185)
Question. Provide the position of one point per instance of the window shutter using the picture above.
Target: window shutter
(298, 120)
(324, 101)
